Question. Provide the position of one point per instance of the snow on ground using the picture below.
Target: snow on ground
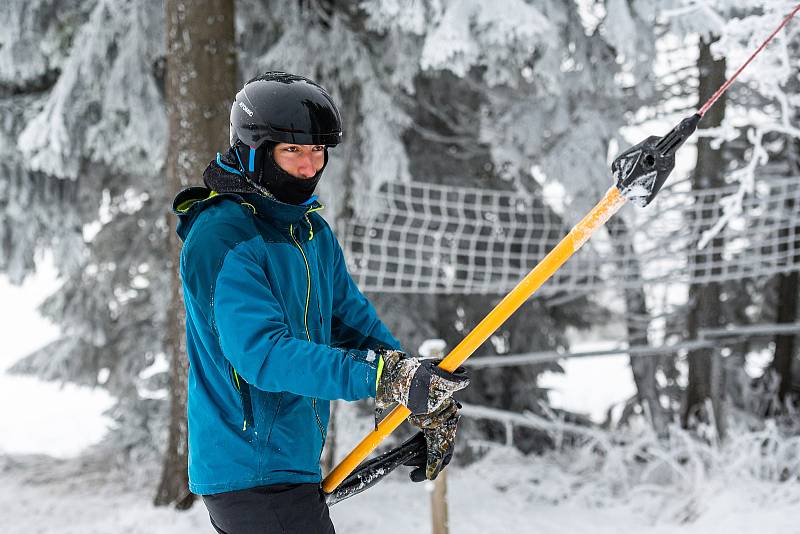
(505, 492)
(60, 422)
(36, 416)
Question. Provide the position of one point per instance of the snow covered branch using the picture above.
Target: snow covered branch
(769, 75)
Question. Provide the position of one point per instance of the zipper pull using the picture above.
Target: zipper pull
(310, 228)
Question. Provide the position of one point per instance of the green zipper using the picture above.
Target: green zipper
(238, 387)
(305, 324)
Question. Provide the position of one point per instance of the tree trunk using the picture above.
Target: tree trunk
(787, 299)
(644, 368)
(785, 345)
(328, 461)
(200, 84)
(705, 308)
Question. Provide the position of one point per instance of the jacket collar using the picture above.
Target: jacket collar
(271, 208)
(193, 200)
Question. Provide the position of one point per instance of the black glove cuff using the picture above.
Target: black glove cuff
(419, 392)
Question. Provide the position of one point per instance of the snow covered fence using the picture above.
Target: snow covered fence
(424, 238)
(707, 338)
(554, 427)
(511, 360)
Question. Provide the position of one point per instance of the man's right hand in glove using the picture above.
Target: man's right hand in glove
(420, 385)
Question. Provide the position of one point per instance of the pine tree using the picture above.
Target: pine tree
(83, 80)
(756, 147)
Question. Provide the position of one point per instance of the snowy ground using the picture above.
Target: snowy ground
(504, 493)
(36, 416)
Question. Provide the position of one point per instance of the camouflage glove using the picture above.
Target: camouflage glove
(439, 429)
(420, 385)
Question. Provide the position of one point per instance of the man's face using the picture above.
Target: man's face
(301, 161)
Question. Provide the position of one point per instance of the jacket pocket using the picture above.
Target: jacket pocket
(245, 400)
(271, 417)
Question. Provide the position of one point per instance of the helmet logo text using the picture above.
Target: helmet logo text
(246, 109)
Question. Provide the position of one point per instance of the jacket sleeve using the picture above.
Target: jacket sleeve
(355, 323)
(255, 339)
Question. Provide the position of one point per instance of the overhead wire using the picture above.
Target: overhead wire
(724, 87)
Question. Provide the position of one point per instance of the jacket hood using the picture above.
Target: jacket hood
(190, 202)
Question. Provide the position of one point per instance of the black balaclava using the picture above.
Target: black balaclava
(269, 175)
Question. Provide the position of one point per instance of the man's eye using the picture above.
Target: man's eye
(319, 147)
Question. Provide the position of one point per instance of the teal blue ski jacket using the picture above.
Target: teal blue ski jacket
(275, 329)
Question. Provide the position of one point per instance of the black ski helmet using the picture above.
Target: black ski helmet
(284, 108)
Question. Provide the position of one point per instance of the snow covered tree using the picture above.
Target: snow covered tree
(83, 83)
(94, 124)
(38, 212)
(758, 132)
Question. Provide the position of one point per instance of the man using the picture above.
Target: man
(275, 326)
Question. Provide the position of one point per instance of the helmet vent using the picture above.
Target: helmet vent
(287, 130)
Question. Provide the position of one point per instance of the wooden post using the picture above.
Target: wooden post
(439, 517)
(436, 348)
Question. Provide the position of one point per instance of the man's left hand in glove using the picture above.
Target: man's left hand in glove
(439, 429)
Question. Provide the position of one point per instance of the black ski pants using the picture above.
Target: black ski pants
(275, 509)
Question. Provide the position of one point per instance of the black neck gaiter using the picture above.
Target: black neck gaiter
(283, 186)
